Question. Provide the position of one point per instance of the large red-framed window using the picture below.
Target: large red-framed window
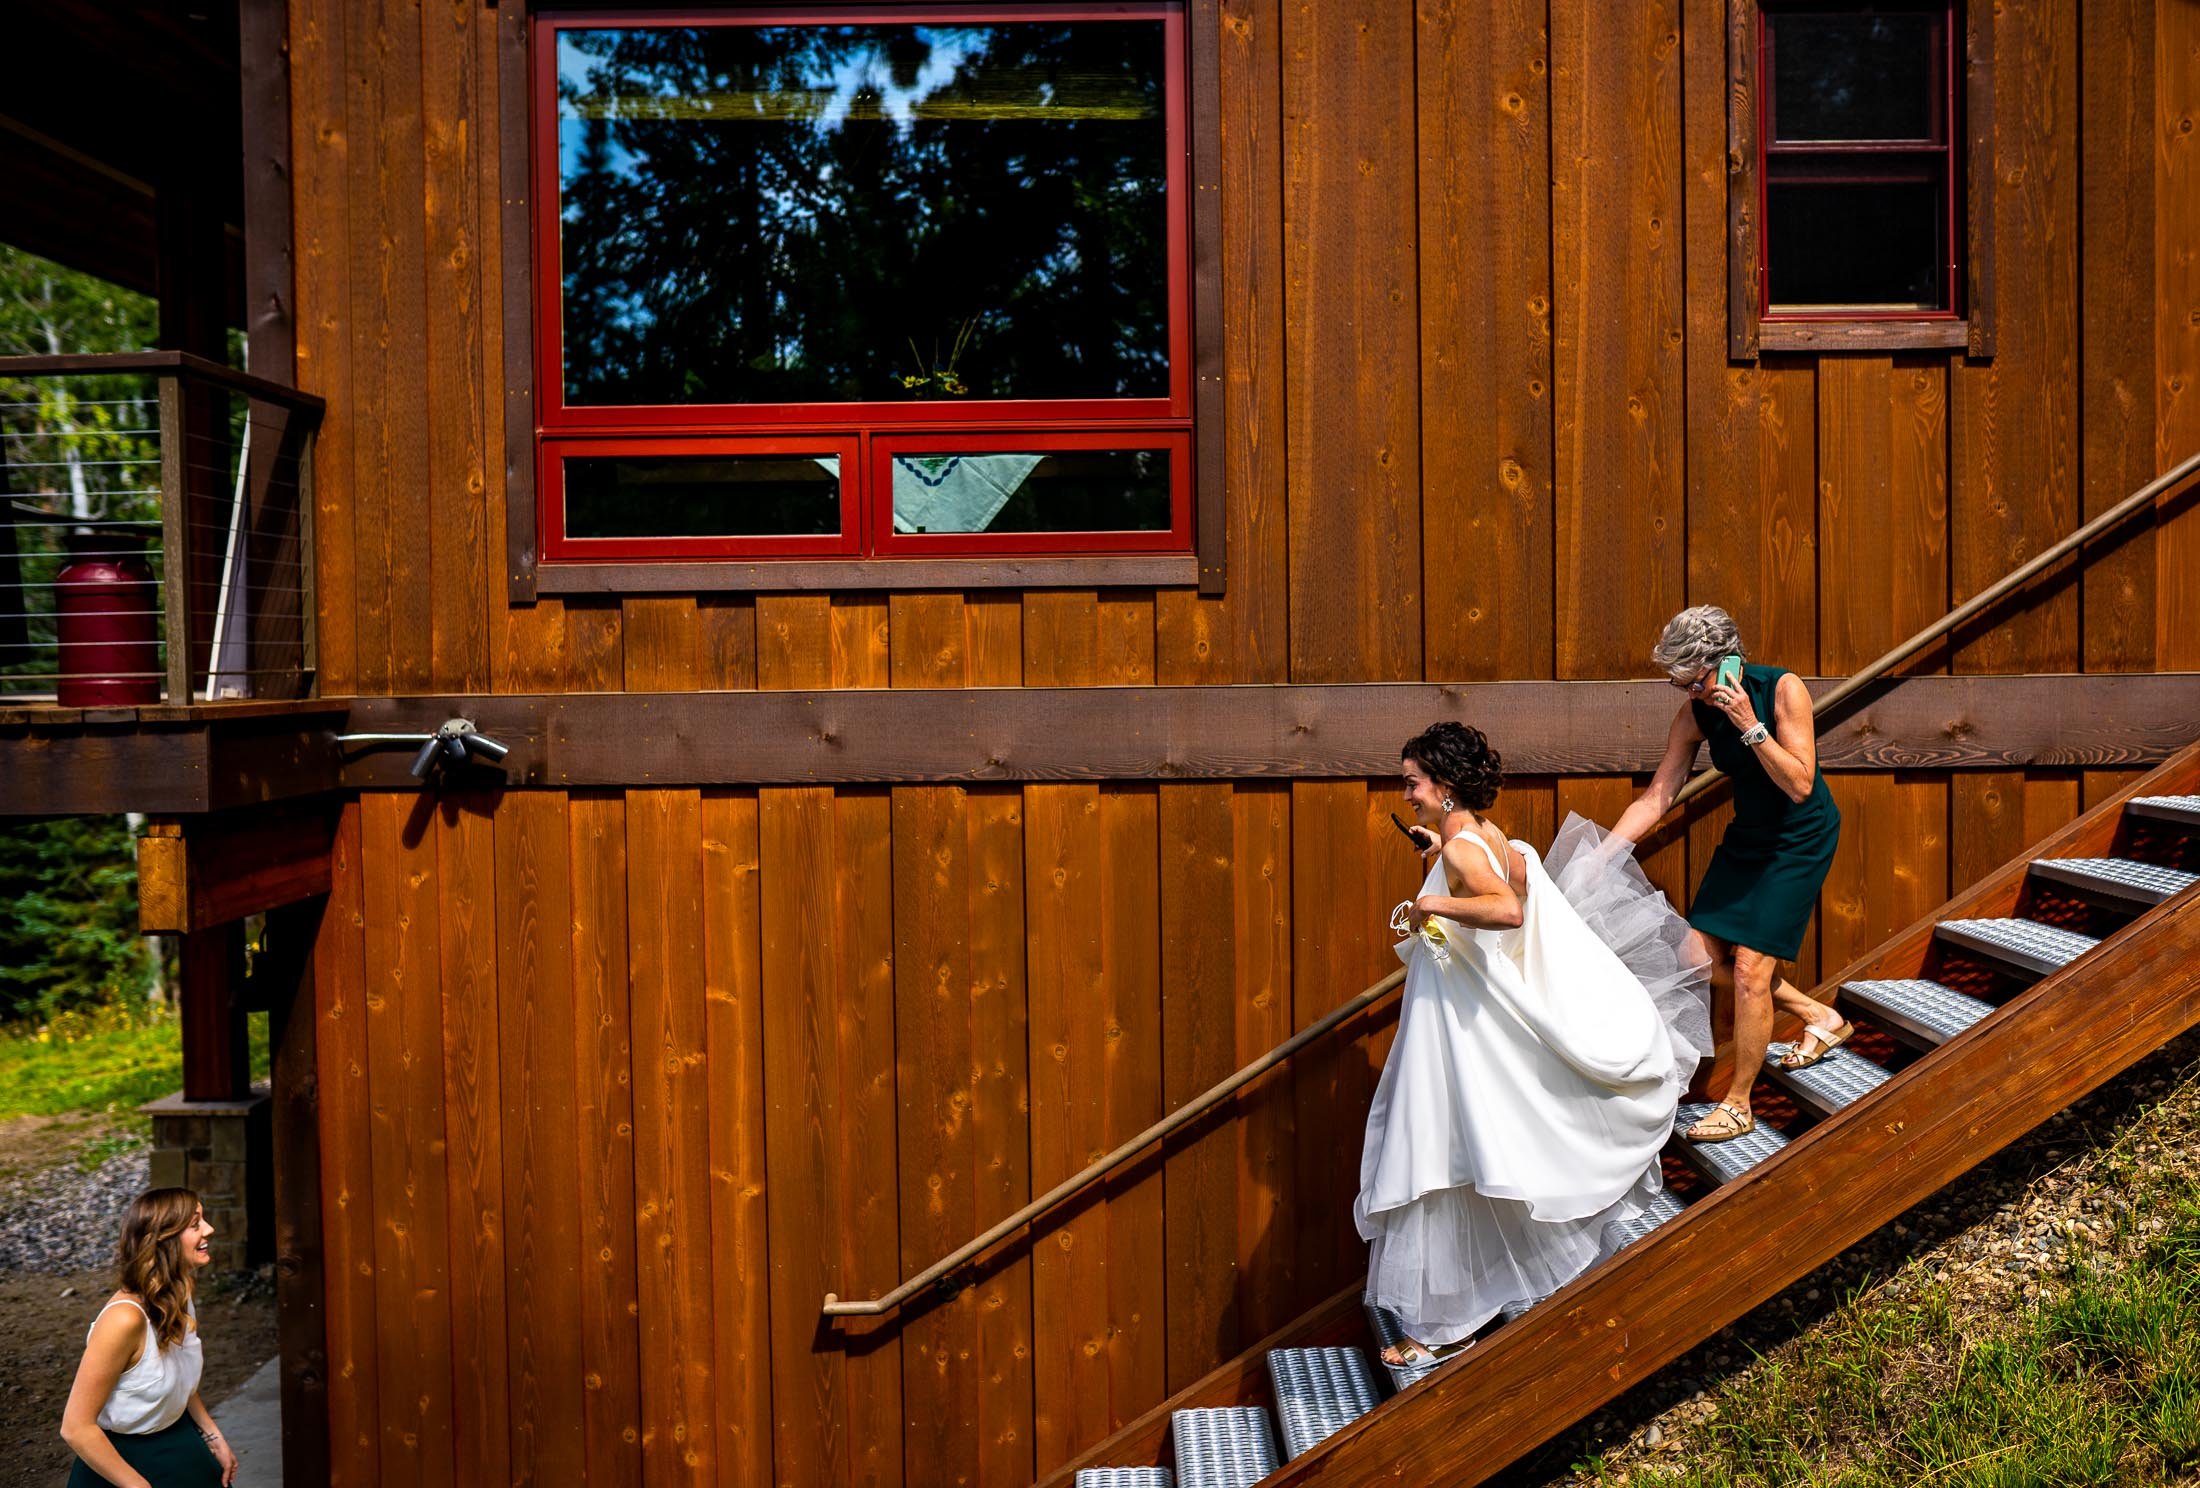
(1859, 176)
(862, 281)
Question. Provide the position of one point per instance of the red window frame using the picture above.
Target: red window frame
(1872, 162)
(772, 428)
(558, 547)
(1177, 537)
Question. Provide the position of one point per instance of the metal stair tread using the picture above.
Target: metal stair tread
(2181, 809)
(1916, 1005)
(1835, 1081)
(1319, 1391)
(1124, 1477)
(1223, 1447)
(1723, 1162)
(1621, 1233)
(2026, 944)
(2125, 880)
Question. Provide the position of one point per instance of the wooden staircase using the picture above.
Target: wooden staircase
(2011, 1001)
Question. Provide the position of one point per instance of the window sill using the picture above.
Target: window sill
(1863, 335)
(1124, 571)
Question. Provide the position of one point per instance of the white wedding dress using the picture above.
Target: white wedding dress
(1530, 1088)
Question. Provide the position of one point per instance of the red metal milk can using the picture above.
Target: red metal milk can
(105, 611)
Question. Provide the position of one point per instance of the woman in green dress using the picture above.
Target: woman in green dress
(1755, 900)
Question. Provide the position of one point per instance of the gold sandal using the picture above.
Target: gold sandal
(1802, 1056)
(1724, 1123)
(1412, 1353)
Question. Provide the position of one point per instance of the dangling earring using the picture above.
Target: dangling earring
(1448, 806)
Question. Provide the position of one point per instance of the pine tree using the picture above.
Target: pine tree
(68, 917)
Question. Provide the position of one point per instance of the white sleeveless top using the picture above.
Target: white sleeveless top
(154, 1392)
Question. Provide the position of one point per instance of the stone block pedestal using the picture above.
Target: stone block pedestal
(223, 1151)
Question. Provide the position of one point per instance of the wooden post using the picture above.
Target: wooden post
(175, 541)
(217, 1064)
(301, 1330)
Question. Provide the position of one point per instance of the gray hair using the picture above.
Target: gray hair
(1694, 640)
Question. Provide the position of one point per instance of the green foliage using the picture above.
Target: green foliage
(2100, 1385)
(113, 1059)
(68, 917)
(77, 447)
(101, 1059)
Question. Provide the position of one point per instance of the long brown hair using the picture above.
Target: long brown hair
(149, 1258)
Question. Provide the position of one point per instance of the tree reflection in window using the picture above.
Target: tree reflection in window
(808, 214)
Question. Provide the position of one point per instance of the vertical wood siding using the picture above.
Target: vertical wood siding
(617, 1085)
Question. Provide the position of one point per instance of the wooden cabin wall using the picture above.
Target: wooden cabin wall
(616, 1085)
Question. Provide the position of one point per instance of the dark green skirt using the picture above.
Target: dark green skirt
(175, 1458)
(1760, 889)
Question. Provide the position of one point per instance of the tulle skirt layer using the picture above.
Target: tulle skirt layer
(1529, 1091)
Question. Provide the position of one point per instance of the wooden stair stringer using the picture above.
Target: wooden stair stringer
(1836, 1183)
(1748, 1240)
(1623, 1320)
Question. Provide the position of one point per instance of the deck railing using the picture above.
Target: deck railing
(939, 1274)
(174, 497)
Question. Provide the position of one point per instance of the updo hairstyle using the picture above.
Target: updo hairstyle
(1460, 760)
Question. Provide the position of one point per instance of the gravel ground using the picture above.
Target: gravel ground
(1994, 1238)
(66, 1219)
(56, 1268)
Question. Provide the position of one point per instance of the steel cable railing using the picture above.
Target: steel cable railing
(1198, 1106)
(156, 523)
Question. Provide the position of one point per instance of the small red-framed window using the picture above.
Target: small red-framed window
(763, 497)
(956, 232)
(1859, 177)
(938, 492)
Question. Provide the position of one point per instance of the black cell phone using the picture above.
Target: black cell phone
(1418, 844)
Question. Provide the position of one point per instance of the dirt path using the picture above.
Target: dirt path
(63, 1182)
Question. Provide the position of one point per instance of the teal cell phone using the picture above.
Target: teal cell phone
(1728, 673)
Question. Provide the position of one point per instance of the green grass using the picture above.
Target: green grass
(105, 1060)
(2098, 1383)
(2099, 1386)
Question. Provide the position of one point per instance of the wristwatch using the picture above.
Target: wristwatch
(1756, 736)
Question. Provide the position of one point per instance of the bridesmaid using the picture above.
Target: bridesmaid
(1756, 898)
(134, 1417)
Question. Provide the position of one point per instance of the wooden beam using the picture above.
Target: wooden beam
(1223, 733)
(197, 874)
(301, 1331)
(85, 767)
(217, 1064)
(516, 279)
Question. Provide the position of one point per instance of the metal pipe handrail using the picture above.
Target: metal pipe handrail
(1206, 1101)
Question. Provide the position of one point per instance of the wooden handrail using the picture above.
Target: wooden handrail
(1207, 1100)
(2016, 578)
(181, 363)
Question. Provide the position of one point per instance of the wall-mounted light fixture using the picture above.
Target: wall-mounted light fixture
(454, 743)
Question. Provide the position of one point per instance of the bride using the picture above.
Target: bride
(1550, 1022)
